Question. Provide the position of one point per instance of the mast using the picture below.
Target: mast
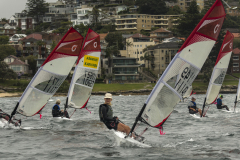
(203, 106)
(235, 103)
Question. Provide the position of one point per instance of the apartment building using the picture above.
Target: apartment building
(81, 16)
(24, 22)
(235, 59)
(184, 4)
(135, 45)
(160, 56)
(232, 12)
(136, 22)
(6, 29)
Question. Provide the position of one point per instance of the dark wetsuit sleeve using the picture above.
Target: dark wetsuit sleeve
(104, 112)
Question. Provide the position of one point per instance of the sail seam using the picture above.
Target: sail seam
(54, 73)
(172, 89)
(83, 85)
(41, 91)
(189, 63)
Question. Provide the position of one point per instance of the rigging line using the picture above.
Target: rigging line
(72, 113)
(233, 76)
(143, 132)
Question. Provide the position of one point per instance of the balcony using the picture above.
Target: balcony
(125, 72)
(125, 28)
(120, 19)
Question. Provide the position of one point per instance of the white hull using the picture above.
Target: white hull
(62, 118)
(121, 139)
(4, 124)
(195, 115)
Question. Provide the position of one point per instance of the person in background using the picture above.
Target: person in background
(57, 112)
(192, 106)
(220, 105)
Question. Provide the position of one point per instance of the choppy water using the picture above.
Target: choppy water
(85, 137)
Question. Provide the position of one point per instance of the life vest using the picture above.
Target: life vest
(109, 112)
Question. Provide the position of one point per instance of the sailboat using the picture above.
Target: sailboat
(237, 96)
(219, 72)
(50, 75)
(85, 72)
(181, 72)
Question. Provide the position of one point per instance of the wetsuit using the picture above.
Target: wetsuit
(56, 111)
(219, 104)
(4, 115)
(106, 116)
(194, 106)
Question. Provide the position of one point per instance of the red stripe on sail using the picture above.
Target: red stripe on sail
(91, 43)
(211, 13)
(157, 126)
(85, 104)
(39, 110)
(71, 36)
(227, 46)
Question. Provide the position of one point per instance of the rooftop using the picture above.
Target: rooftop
(236, 51)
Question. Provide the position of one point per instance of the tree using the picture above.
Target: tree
(154, 7)
(144, 32)
(189, 21)
(64, 27)
(19, 30)
(115, 39)
(105, 1)
(32, 62)
(37, 8)
(206, 71)
(174, 10)
(236, 43)
(81, 29)
(6, 72)
(128, 44)
(6, 50)
(4, 20)
(4, 39)
(54, 44)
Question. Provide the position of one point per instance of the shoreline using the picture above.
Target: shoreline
(116, 93)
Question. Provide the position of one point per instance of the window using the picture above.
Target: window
(145, 45)
(235, 64)
(235, 58)
(162, 65)
(162, 51)
(137, 46)
(135, 53)
(16, 68)
(143, 25)
(162, 58)
(140, 45)
(140, 52)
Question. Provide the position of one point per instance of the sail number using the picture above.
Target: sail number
(89, 79)
(220, 78)
(187, 77)
(53, 84)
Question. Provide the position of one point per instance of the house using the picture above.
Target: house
(135, 45)
(159, 34)
(235, 59)
(17, 65)
(123, 68)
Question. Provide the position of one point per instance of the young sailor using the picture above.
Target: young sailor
(220, 105)
(106, 116)
(7, 117)
(56, 112)
(192, 106)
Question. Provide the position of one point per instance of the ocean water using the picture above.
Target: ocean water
(216, 137)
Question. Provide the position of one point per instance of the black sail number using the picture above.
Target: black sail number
(187, 77)
(89, 78)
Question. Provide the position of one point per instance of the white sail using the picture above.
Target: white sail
(188, 93)
(238, 91)
(183, 69)
(220, 69)
(85, 72)
(51, 74)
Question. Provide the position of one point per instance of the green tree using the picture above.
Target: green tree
(189, 21)
(6, 72)
(105, 1)
(54, 44)
(206, 71)
(29, 31)
(64, 27)
(236, 43)
(37, 8)
(115, 39)
(4, 39)
(144, 32)
(81, 29)
(154, 7)
(128, 2)
(174, 10)
(4, 20)
(32, 62)
(19, 30)
(6, 50)
(128, 44)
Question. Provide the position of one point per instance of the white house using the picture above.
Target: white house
(16, 64)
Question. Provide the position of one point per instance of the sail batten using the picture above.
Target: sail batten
(183, 69)
(51, 74)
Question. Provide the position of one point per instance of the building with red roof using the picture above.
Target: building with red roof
(235, 59)
(17, 65)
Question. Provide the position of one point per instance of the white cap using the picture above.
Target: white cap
(108, 95)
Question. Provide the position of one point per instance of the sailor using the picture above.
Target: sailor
(106, 116)
(57, 112)
(220, 105)
(7, 117)
(192, 106)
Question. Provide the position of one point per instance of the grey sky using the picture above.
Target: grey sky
(10, 7)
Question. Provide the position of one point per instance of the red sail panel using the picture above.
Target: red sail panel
(209, 26)
(70, 45)
(227, 46)
(91, 43)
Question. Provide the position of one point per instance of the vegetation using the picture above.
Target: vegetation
(32, 61)
(155, 7)
(6, 50)
(4, 39)
(37, 8)
(5, 72)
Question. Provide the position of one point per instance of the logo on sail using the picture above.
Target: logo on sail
(90, 61)
(95, 44)
(216, 28)
(74, 47)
